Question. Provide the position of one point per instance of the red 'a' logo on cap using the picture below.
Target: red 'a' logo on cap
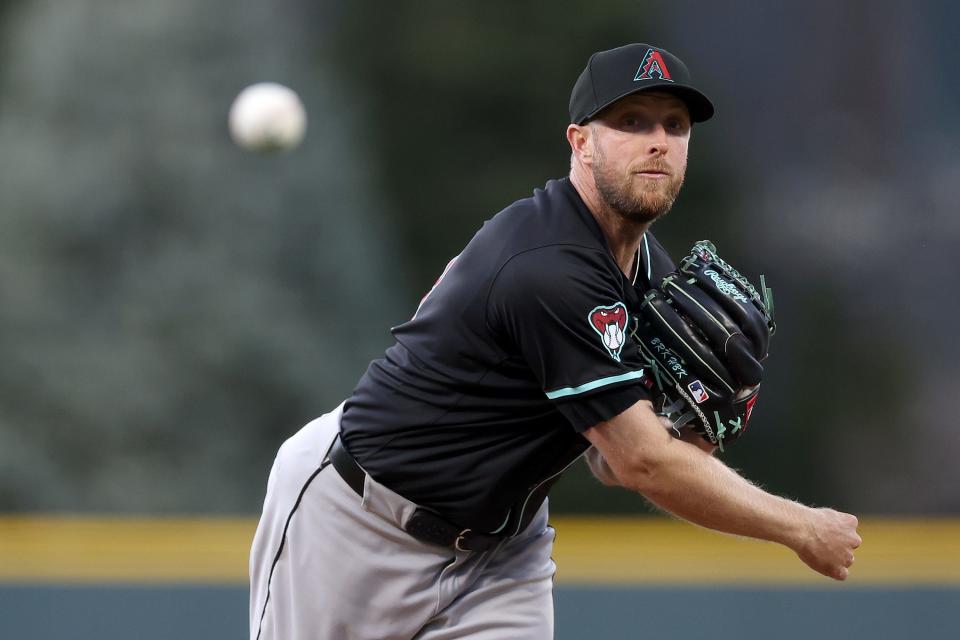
(652, 67)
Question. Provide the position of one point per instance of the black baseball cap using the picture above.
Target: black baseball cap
(616, 73)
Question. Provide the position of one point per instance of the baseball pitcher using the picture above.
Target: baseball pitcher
(417, 508)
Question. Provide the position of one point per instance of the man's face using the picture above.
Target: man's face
(640, 154)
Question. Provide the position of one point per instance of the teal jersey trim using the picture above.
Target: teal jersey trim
(646, 249)
(596, 384)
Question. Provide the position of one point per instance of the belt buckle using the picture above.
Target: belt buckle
(462, 538)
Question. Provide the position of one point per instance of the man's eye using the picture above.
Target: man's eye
(630, 121)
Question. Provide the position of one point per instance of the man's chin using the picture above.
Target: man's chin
(643, 215)
(639, 203)
(647, 209)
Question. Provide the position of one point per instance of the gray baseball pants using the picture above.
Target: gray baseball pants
(326, 565)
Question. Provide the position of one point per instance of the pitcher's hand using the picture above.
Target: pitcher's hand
(827, 545)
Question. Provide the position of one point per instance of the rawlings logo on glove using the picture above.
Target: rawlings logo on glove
(704, 331)
(727, 287)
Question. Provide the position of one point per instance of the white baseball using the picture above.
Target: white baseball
(613, 336)
(267, 117)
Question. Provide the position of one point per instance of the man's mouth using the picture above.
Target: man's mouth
(653, 173)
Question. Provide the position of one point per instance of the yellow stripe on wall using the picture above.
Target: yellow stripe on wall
(67, 549)
(894, 552)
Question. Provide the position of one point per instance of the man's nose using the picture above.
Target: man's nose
(658, 140)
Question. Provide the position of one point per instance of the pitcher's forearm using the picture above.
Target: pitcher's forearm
(703, 490)
(691, 484)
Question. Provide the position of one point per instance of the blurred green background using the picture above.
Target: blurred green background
(172, 308)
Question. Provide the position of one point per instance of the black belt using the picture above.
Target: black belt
(424, 525)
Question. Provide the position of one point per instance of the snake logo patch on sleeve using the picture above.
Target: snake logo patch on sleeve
(610, 322)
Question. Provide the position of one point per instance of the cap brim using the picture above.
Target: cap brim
(699, 105)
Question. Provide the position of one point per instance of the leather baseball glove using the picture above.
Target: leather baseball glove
(704, 332)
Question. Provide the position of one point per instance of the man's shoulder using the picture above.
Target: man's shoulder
(554, 215)
(554, 271)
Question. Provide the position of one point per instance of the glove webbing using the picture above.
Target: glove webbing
(707, 248)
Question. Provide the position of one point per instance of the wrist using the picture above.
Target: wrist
(796, 530)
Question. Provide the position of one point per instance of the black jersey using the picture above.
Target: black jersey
(522, 344)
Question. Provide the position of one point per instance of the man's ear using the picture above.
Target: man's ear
(581, 143)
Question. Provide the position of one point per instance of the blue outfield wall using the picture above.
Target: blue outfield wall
(758, 614)
(101, 612)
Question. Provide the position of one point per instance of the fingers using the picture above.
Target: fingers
(853, 542)
(855, 524)
(842, 571)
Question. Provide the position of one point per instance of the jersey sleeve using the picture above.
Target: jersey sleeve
(563, 310)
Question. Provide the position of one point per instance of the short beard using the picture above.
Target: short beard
(644, 207)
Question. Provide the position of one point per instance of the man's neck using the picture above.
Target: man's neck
(623, 236)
